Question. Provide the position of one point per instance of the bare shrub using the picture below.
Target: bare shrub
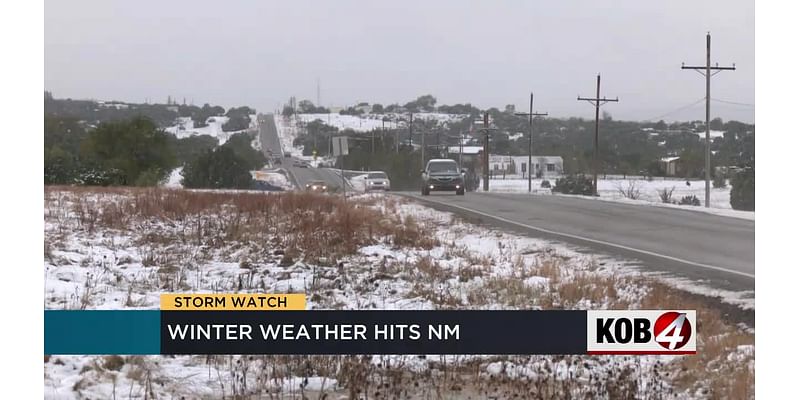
(665, 194)
(631, 191)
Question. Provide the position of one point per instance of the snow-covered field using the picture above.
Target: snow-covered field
(174, 179)
(185, 128)
(101, 253)
(648, 192)
(368, 122)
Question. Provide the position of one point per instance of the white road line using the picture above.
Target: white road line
(569, 235)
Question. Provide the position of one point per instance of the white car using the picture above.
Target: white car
(377, 181)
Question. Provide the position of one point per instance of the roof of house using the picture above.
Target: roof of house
(467, 149)
(670, 159)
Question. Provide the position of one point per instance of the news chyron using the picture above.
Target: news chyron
(637, 332)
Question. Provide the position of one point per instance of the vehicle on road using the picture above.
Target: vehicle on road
(266, 186)
(377, 181)
(300, 163)
(442, 174)
(317, 186)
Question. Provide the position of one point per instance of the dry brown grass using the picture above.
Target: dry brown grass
(312, 227)
(306, 224)
(716, 340)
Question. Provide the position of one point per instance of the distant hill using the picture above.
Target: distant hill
(178, 119)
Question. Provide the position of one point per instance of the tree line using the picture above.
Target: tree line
(136, 152)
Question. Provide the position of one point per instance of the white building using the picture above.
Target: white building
(517, 166)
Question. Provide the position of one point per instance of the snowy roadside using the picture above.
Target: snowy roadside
(647, 193)
(102, 254)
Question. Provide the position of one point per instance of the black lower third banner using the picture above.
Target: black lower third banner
(373, 332)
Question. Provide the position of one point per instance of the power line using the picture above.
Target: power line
(733, 102)
(694, 103)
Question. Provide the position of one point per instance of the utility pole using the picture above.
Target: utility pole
(486, 130)
(410, 129)
(530, 116)
(706, 71)
(596, 102)
(422, 139)
(460, 150)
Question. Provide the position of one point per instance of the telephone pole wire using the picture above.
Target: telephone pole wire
(530, 116)
(706, 71)
(597, 102)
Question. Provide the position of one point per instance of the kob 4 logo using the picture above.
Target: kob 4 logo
(641, 332)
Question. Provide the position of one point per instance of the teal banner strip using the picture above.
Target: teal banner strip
(92, 332)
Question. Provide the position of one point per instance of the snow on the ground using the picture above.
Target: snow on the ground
(174, 180)
(368, 122)
(256, 143)
(343, 122)
(469, 267)
(185, 128)
(609, 190)
(714, 134)
(287, 133)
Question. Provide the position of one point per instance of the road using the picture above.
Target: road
(270, 142)
(719, 251)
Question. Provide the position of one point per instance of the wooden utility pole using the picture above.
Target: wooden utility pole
(486, 131)
(422, 140)
(597, 102)
(530, 116)
(410, 129)
(706, 71)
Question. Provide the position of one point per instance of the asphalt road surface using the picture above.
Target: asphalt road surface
(719, 251)
(271, 146)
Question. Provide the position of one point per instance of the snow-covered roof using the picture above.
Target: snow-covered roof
(467, 149)
(669, 159)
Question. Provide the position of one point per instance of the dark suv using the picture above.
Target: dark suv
(442, 175)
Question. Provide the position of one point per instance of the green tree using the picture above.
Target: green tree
(716, 124)
(743, 190)
(62, 140)
(240, 143)
(238, 119)
(137, 150)
(220, 168)
(422, 103)
(188, 148)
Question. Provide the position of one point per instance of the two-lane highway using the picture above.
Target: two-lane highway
(700, 246)
(300, 176)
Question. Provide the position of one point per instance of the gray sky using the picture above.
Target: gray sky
(488, 53)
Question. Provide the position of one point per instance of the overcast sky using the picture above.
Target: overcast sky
(488, 53)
